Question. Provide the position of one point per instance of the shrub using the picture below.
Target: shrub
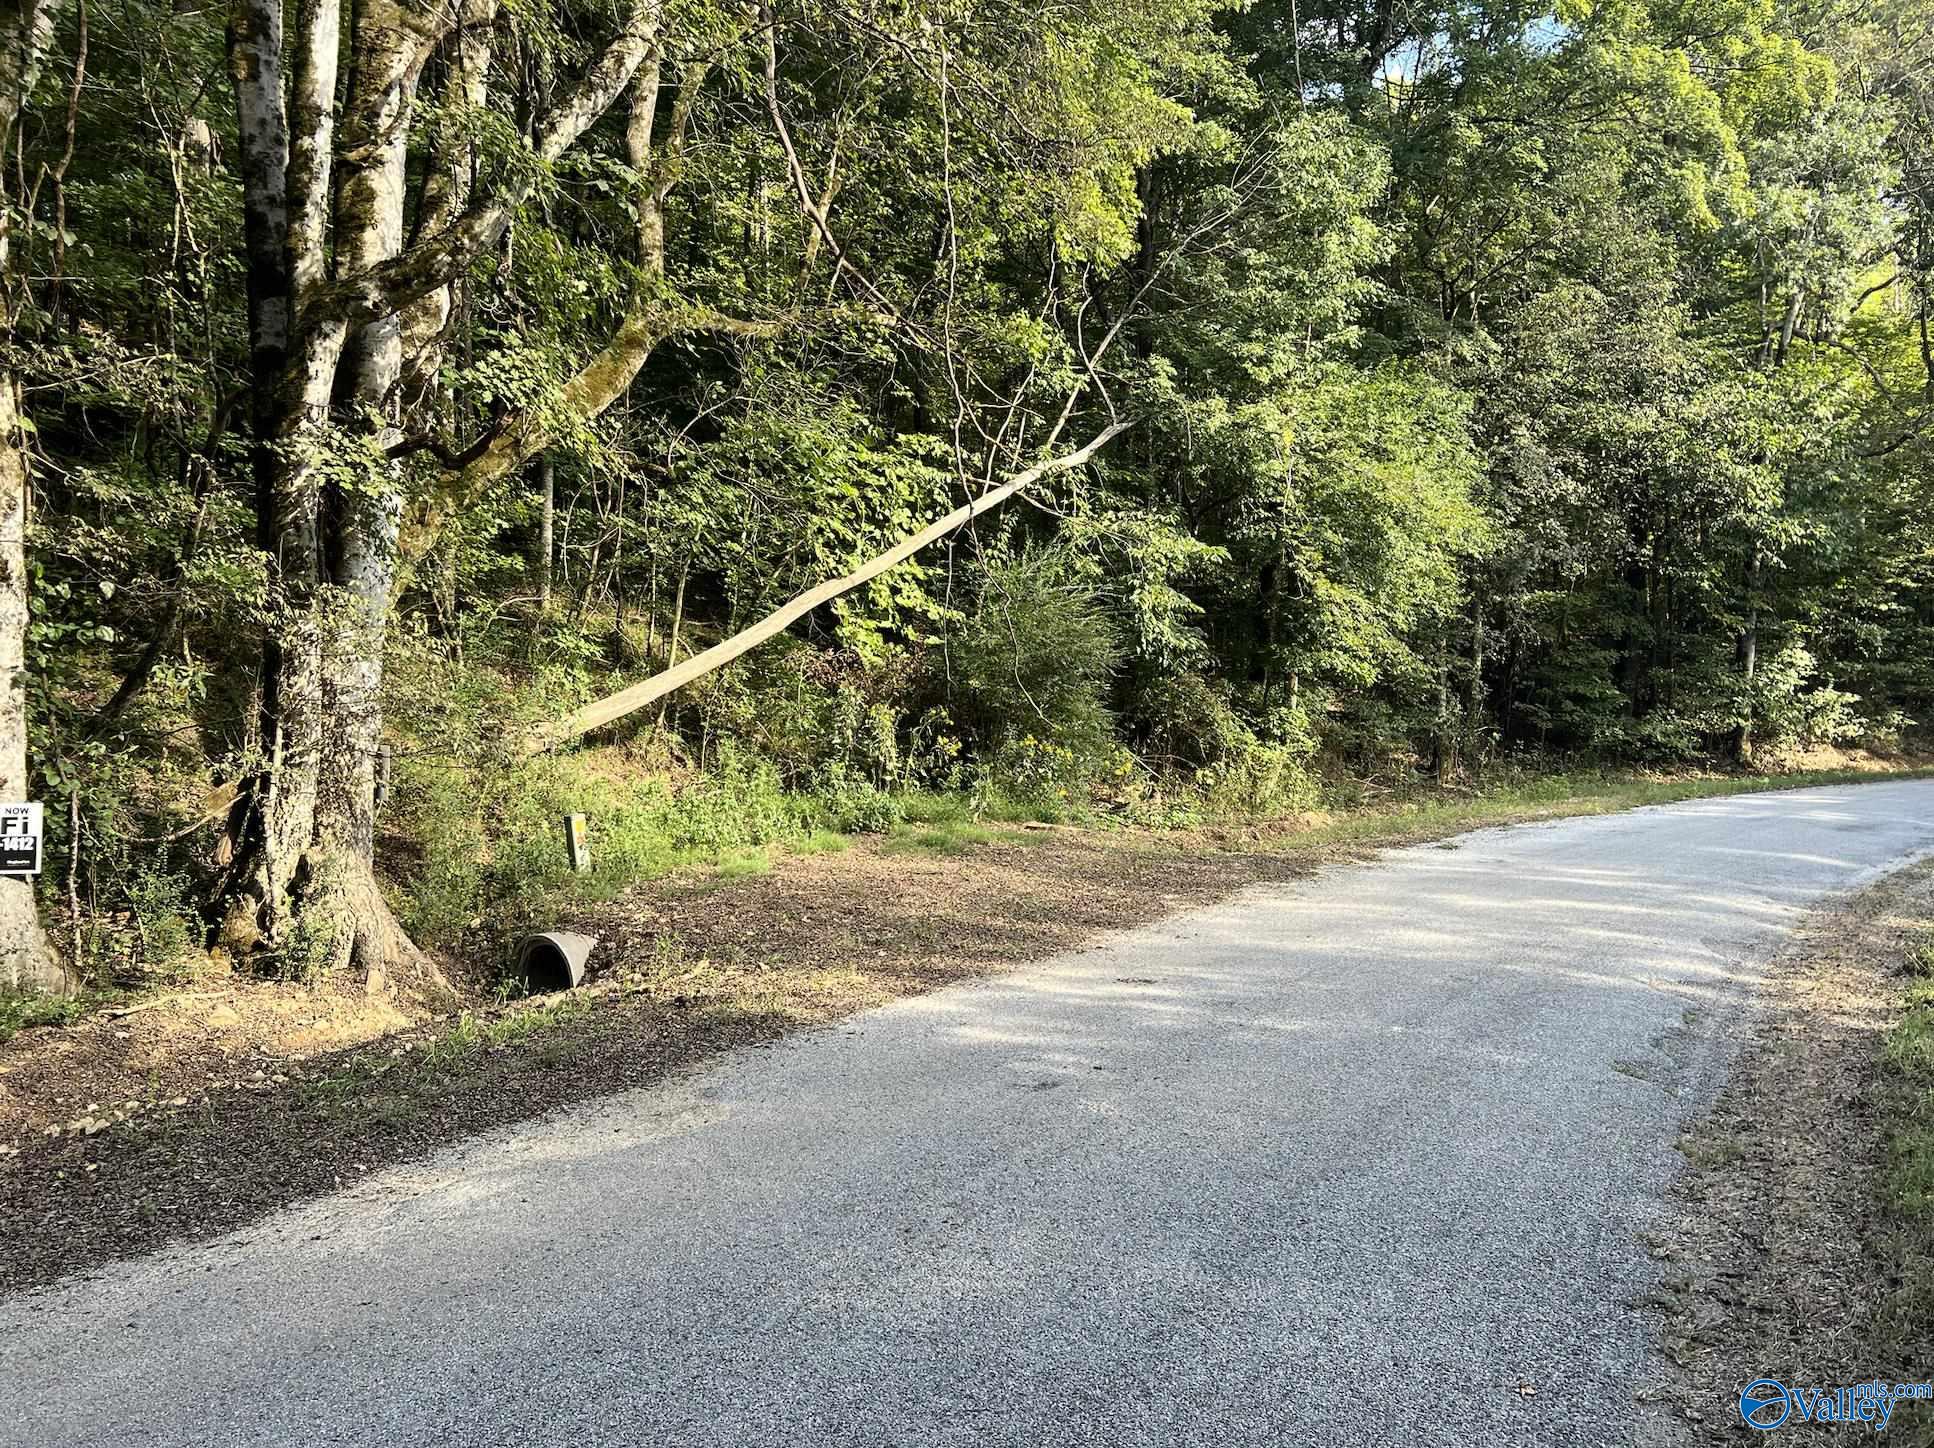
(1184, 719)
(165, 924)
(858, 806)
(1032, 664)
(1791, 706)
(810, 711)
(1256, 778)
(1886, 732)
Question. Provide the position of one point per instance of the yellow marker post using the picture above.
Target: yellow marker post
(577, 842)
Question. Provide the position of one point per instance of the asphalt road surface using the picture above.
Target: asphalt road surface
(1360, 1160)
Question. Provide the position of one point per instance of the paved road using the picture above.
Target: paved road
(1344, 1162)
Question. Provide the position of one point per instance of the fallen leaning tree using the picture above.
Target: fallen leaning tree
(616, 706)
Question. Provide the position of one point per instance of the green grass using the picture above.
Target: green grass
(737, 864)
(20, 1011)
(821, 842)
(1909, 1050)
(1907, 1056)
(492, 843)
(924, 807)
(1031, 838)
(950, 837)
(492, 863)
(1013, 810)
(929, 807)
(956, 836)
(1912, 1177)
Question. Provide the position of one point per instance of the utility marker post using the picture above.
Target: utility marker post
(577, 843)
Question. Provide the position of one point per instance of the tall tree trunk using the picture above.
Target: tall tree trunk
(255, 69)
(1927, 354)
(350, 925)
(1443, 748)
(290, 385)
(1748, 659)
(546, 529)
(304, 883)
(26, 960)
(1789, 324)
(1635, 657)
(343, 297)
(369, 231)
(1474, 686)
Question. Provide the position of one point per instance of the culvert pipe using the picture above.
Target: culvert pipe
(554, 960)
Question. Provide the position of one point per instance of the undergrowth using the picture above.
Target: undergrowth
(22, 1011)
(1908, 1056)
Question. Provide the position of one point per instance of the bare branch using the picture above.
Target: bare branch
(815, 212)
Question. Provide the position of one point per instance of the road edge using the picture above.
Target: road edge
(1780, 1251)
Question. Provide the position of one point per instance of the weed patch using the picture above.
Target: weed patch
(1908, 1055)
(19, 1012)
(820, 842)
(739, 863)
(950, 838)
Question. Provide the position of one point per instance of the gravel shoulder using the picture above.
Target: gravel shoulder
(1782, 1256)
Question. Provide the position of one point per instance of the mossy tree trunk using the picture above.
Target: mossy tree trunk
(26, 961)
(348, 326)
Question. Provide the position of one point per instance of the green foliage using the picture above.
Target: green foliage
(22, 1011)
(1257, 779)
(1920, 961)
(493, 860)
(831, 718)
(1791, 704)
(1908, 1054)
(857, 806)
(1031, 665)
(165, 928)
(310, 946)
(1499, 388)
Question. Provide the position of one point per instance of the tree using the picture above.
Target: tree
(1499, 381)
(341, 309)
(26, 28)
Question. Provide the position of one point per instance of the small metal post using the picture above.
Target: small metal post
(577, 843)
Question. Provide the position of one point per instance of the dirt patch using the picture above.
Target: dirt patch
(175, 1044)
(180, 1124)
(918, 920)
(1780, 1263)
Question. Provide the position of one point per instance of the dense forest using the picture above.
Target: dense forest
(1338, 390)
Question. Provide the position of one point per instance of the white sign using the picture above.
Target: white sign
(21, 833)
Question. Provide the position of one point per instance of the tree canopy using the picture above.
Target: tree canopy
(387, 380)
